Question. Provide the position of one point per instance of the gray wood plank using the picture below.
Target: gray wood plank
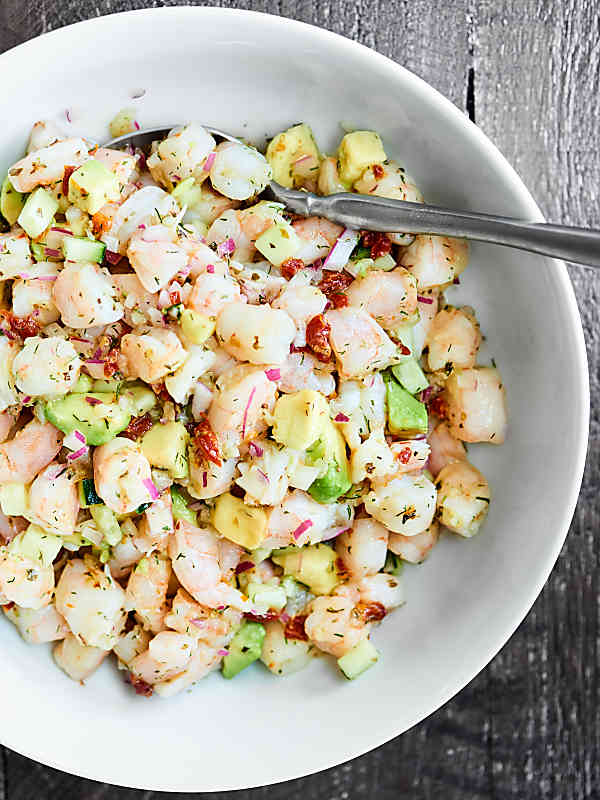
(536, 93)
(528, 726)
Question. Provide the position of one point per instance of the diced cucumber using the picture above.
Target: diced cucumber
(265, 597)
(393, 564)
(13, 499)
(106, 386)
(385, 263)
(411, 376)
(82, 249)
(107, 523)
(358, 660)
(87, 494)
(83, 384)
(140, 398)
(244, 648)
(38, 545)
(37, 213)
(38, 250)
(11, 202)
(180, 507)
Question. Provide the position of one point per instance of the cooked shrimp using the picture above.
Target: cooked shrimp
(168, 654)
(147, 206)
(363, 549)
(329, 179)
(389, 297)
(445, 449)
(33, 297)
(258, 334)
(208, 206)
(32, 449)
(237, 413)
(463, 498)
(7, 420)
(334, 626)
(317, 237)
(427, 306)
(15, 256)
(283, 656)
(301, 303)
(453, 339)
(152, 355)
(435, 260)
(91, 602)
(131, 644)
(37, 626)
(123, 165)
(298, 507)
(122, 475)
(381, 588)
(53, 499)
(414, 549)
(228, 225)
(85, 296)
(212, 293)
(360, 344)
(304, 371)
(214, 628)
(43, 134)
(46, 166)
(264, 477)
(204, 659)
(8, 395)
(362, 403)
(476, 405)
(208, 479)
(46, 366)
(404, 505)
(194, 553)
(146, 592)
(156, 256)
(78, 660)
(238, 171)
(181, 155)
(373, 458)
(410, 455)
(156, 525)
(390, 180)
(25, 581)
(139, 305)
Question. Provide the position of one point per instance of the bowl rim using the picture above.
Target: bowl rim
(572, 318)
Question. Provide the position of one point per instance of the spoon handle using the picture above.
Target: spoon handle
(581, 245)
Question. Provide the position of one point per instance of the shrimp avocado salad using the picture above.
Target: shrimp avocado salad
(224, 429)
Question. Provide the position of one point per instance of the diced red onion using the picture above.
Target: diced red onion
(340, 253)
(336, 532)
(273, 374)
(248, 404)
(223, 652)
(26, 399)
(79, 435)
(226, 248)
(93, 361)
(204, 480)
(244, 566)
(68, 115)
(8, 334)
(264, 476)
(304, 526)
(196, 506)
(421, 299)
(210, 268)
(136, 124)
(419, 437)
(301, 159)
(209, 161)
(200, 623)
(426, 393)
(45, 277)
(50, 252)
(93, 401)
(25, 276)
(62, 230)
(183, 273)
(284, 617)
(154, 493)
(341, 418)
(456, 281)
(79, 339)
(255, 450)
(83, 451)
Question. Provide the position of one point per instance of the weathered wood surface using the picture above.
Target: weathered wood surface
(528, 727)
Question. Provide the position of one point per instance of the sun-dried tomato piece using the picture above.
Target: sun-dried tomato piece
(338, 300)
(371, 612)
(334, 282)
(268, 617)
(317, 337)
(294, 628)
(137, 427)
(160, 391)
(378, 172)
(404, 454)
(377, 242)
(206, 442)
(290, 267)
(111, 362)
(65, 181)
(8, 606)
(438, 405)
(141, 687)
(23, 326)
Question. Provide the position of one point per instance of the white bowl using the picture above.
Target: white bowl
(254, 74)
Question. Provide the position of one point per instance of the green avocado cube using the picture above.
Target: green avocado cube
(406, 414)
(11, 202)
(411, 376)
(358, 660)
(244, 648)
(331, 447)
(92, 186)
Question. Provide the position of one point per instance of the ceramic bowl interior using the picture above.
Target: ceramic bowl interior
(254, 75)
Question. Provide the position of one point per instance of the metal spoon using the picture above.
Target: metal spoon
(358, 211)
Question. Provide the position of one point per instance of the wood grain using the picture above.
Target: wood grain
(528, 727)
